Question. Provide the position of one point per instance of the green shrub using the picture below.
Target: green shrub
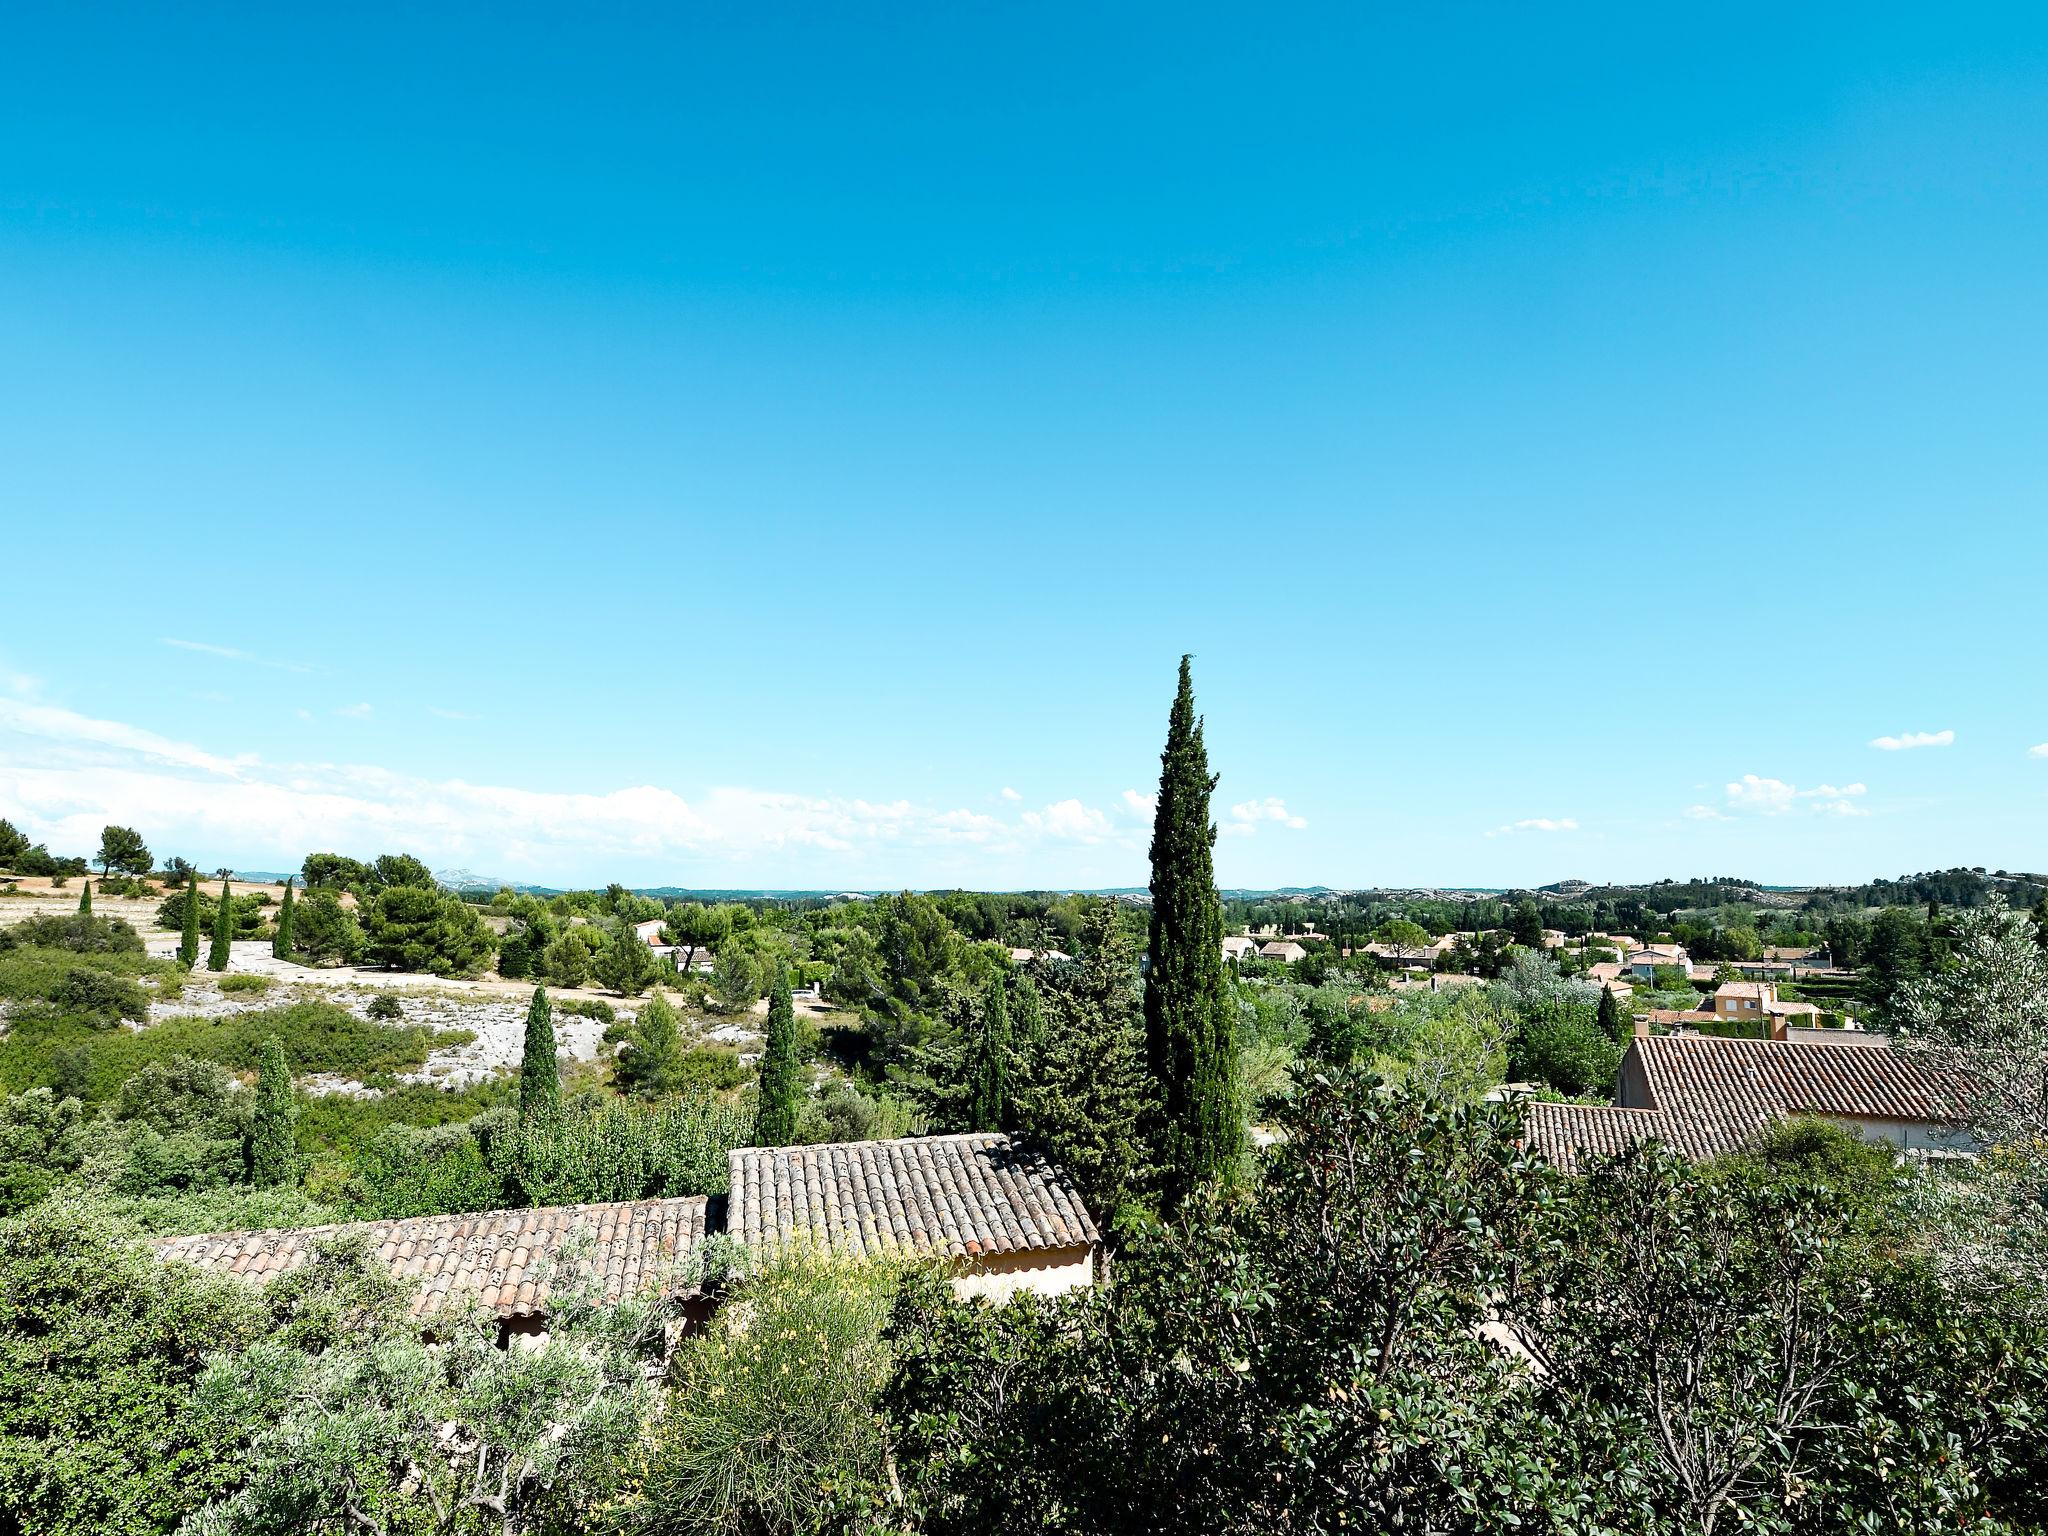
(87, 989)
(597, 1150)
(386, 1006)
(78, 932)
(36, 975)
(771, 1422)
(243, 982)
(317, 1036)
(100, 1347)
(716, 1067)
(587, 1008)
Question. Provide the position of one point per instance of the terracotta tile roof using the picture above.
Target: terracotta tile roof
(1710, 1095)
(1755, 989)
(1562, 1131)
(958, 1196)
(497, 1258)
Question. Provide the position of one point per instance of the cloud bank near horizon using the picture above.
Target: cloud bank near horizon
(63, 775)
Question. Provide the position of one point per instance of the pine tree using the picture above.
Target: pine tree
(273, 1141)
(1190, 1025)
(655, 1050)
(223, 930)
(1085, 1093)
(281, 941)
(540, 1074)
(989, 1108)
(775, 1120)
(85, 898)
(188, 944)
(626, 965)
(1609, 1017)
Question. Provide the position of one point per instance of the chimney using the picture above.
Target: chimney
(1642, 1029)
(1778, 1026)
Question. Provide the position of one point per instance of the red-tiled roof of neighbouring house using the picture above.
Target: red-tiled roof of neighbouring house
(957, 1197)
(1562, 1131)
(502, 1260)
(1756, 989)
(1711, 1095)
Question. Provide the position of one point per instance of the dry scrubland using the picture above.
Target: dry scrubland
(489, 1010)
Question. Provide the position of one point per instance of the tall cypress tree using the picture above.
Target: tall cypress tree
(989, 1108)
(1190, 1026)
(775, 1119)
(85, 898)
(188, 944)
(223, 931)
(281, 941)
(1609, 1017)
(1028, 1018)
(540, 1074)
(273, 1140)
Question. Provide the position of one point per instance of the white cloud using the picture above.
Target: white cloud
(1774, 797)
(1141, 805)
(1010, 794)
(1704, 813)
(353, 711)
(1538, 824)
(2040, 751)
(1249, 813)
(445, 714)
(229, 653)
(64, 775)
(1069, 821)
(1908, 740)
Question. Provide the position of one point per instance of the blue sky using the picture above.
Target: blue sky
(774, 446)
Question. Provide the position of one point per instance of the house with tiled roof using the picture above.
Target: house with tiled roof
(1642, 961)
(1705, 1095)
(1282, 949)
(508, 1263)
(1000, 1215)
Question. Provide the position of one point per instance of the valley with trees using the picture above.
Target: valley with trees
(1348, 1289)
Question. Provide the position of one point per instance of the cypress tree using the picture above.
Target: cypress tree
(540, 1074)
(1028, 1020)
(989, 1109)
(775, 1119)
(223, 930)
(85, 898)
(273, 1141)
(281, 941)
(1190, 1033)
(1609, 1017)
(188, 944)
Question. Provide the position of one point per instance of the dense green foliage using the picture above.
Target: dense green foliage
(273, 1141)
(596, 1149)
(420, 928)
(324, 931)
(769, 1424)
(91, 1062)
(100, 1349)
